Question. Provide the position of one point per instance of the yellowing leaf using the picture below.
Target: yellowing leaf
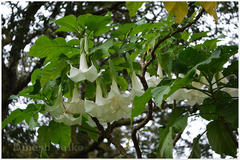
(179, 9)
(210, 7)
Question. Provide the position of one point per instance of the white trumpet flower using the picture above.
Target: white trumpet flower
(68, 119)
(137, 87)
(114, 107)
(83, 72)
(153, 81)
(192, 96)
(64, 114)
(232, 91)
(76, 106)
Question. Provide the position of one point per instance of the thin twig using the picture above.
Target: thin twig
(165, 38)
(177, 138)
(139, 126)
(143, 80)
(107, 134)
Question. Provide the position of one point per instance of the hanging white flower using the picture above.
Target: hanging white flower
(197, 85)
(83, 72)
(68, 119)
(223, 80)
(62, 111)
(232, 91)
(114, 107)
(153, 81)
(194, 96)
(76, 106)
(190, 96)
(137, 87)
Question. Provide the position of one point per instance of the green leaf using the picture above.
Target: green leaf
(208, 110)
(178, 120)
(57, 133)
(166, 143)
(196, 36)
(44, 47)
(14, 115)
(95, 24)
(104, 47)
(52, 71)
(191, 57)
(35, 75)
(32, 123)
(36, 87)
(90, 91)
(232, 72)
(230, 113)
(139, 103)
(27, 92)
(166, 61)
(220, 139)
(227, 108)
(163, 92)
(196, 153)
(68, 24)
(29, 115)
(231, 69)
(179, 9)
(123, 30)
(210, 44)
(217, 59)
(159, 93)
(122, 83)
(133, 7)
(185, 35)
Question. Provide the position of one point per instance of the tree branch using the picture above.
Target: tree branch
(107, 134)
(142, 78)
(165, 38)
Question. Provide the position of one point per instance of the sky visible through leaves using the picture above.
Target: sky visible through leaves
(195, 126)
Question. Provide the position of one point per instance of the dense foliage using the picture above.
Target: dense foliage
(141, 67)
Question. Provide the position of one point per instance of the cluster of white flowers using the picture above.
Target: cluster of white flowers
(192, 96)
(114, 107)
(116, 104)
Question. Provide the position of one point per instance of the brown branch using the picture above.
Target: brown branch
(177, 138)
(122, 122)
(139, 126)
(142, 78)
(107, 134)
(165, 38)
